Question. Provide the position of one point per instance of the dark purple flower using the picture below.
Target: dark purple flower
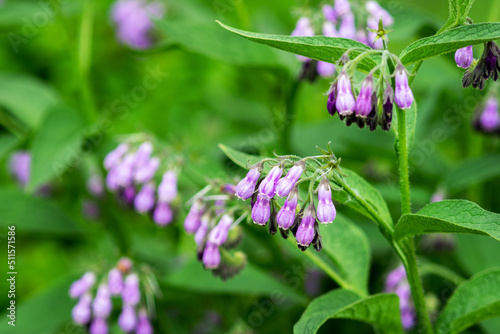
(82, 312)
(128, 194)
(167, 190)
(261, 211)
(332, 99)
(345, 100)
(131, 294)
(193, 219)
(145, 199)
(286, 215)
(82, 285)
(211, 256)
(306, 231)
(326, 210)
(162, 214)
(246, 187)
(268, 186)
(128, 318)
(403, 95)
(464, 57)
(364, 100)
(286, 184)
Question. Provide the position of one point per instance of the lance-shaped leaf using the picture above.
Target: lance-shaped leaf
(450, 40)
(327, 49)
(472, 302)
(458, 13)
(473, 171)
(452, 216)
(381, 310)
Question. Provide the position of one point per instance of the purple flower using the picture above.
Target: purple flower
(202, 230)
(342, 7)
(489, 120)
(347, 27)
(261, 211)
(162, 214)
(229, 189)
(143, 154)
(167, 190)
(332, 98)
(403, 95)
(404, 293)
(464, 57)
(102, 302)
(193, 219)
(326, 210)
(146, 172)
(325, 69)
(394, 278)
(306, 232)
(128, 194)
(438, 196)
(211, 256)
(81, 312)
(112, 179)
(286, 184)
(95, 186)
(408, 318)
(124, 171)
(364, 100)
(286, 215)
(345, 100)
(131, 293)
(219, 233)
(246, 187)
(377, 13)
(98, 326)
(220, 206)
(19, 166)
(115, 281)
(362, 37)
(145, 199)
(268, 186)
(303, 28)
(329, 13)
(82, 285)
(143, 325)
(114, 157)
(128, 318)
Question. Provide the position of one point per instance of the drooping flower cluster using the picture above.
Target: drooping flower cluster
(133, 20)
(211, 220)
(488, 119)
(488, 66)
(397, 282)
(94, 311)
(264, 189)
(133, 173)
(20, 168)
(339, 21)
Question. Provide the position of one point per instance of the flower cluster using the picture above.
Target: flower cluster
(133, 21)
(211, 220)
(477, 72)
(397, 282)
(339, 21)
(264, 188)
(94, 311)
(132, 171)
(488, 119)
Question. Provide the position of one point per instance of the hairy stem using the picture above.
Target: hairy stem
(404, 177)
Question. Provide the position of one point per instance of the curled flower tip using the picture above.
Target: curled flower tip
(332, 98)
(286, 184)
(403, 95)
(82, 285)
(326, 210)
(145, 199)
(162, 214)
(128, 318)
(489, 120)
(306, 232)
(211, 256)
(286, 215)
(268, 186)
(345, 100)
(98, 326)
(131, 294)
(167, 190)
(193, 219)
(102, 303)
(143, 324)
(82, 312)
(329, 13)
(115, 281)
(364, 100)
(246, 187)
(219, 233)
(261, 211)
(464, 57)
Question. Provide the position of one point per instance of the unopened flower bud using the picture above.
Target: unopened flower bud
(332, 98)
(489, 120)
(403, 95)
(143, 325)
(306, 232)
(162, 214)
(82, 285)
(286, 184)
(131, 294)
(128, 318)
(345, 100)
(113, 158)
(364, 100)
(261, 211)
(145, 199)
(102, 305)
(144, 173)
(115, 281)
(326, 210)
(201, 232)
(286, 215)
(464, 57)
(167, 190)
(268, 186)
(143, 153)
(193, 219)
(98, 326)
(211, 256)
(82, 312)
(246, 187)
(219, 233)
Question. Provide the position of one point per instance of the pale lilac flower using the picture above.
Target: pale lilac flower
(82, 285)
(489, 120)
(193, 219)
(246, 187)
(408, 318)
(143, 324)
(98, 326)
(147, 171)
(438, 196)
(403, 95)
(219, 233)
(329, 13)
(303, 28)
(464, 57)
(220, 207)
(364, 100)
(394, 278)
(95, 186)
(81, 312)
(306, 231)
(261, 211)
(114, 157)
(326, 210)
(229, 189)
(112, 180)
(362, 37)
(342, 7)
(115, 281)
(286, 215)
(162, 214)
(131, 294)
(167, 190)
(323, 68)
(201, 232)
(124, 170)
(377, 13)
(128, 318)
(19, 166)
(268, 186)
(101, 306)
(397, 282)
(143, 154)
(345, 102)
(347, 27)
(286, 184)
(145, 199)
(211, 256)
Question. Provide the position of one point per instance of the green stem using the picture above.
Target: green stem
(288, 115)
(404, 177)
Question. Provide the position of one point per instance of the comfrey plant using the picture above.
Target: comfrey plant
(93, 310)
(384, 97)
(142, 181)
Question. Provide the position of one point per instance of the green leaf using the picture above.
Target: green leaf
(33, 215)
(353, 180)
(472, 302)
(458, 13)
(13, 12)
(452, 216)
(450, 40)
(476, 253)
(472, 171)
(209, 40)
(7, 143)
(26, 98)
(411, 122)
(381, 310)
(250, 281)
(47, 311)
(322, 48)
(56, 147)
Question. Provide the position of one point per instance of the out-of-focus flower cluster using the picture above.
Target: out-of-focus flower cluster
(397, 282)
(487, 119)
(339, 21)
(95, 304)
(211, 220)
(133, 20)
(134, 172)
(479, 71)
